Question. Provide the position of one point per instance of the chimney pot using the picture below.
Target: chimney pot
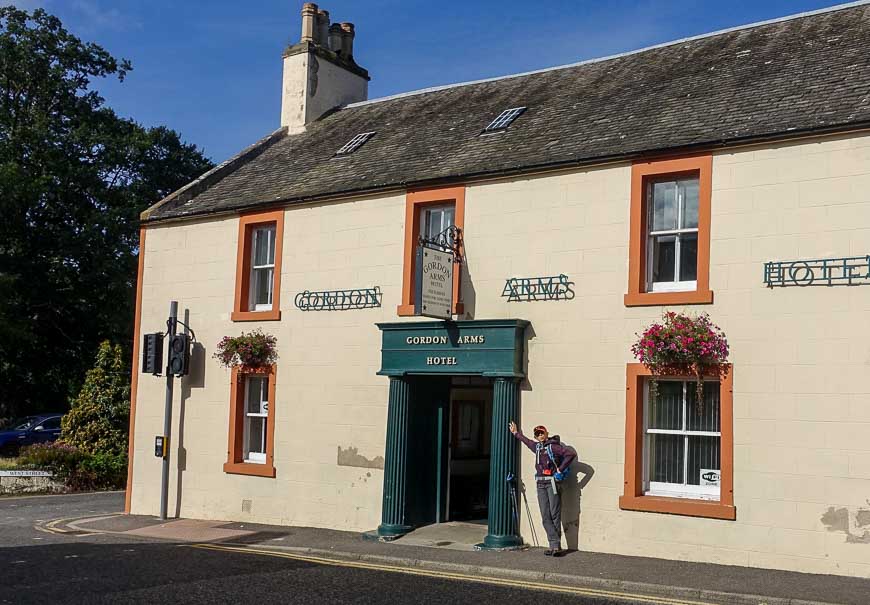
(335, 38)
(309, 14)
(347, 36)
(321, 36)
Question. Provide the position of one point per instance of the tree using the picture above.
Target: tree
(74, 177)
(97, 421)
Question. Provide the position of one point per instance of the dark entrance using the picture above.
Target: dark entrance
(449, 434)
(429, 476)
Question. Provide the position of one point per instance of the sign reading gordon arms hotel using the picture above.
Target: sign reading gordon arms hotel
(481, 347)
(434, 283)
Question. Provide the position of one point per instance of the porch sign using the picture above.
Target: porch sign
(434, 296)
(479, 347)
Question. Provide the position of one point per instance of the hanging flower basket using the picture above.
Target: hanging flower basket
(683, 345)
(248, 351)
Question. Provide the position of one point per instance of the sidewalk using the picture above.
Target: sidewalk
(699, 582)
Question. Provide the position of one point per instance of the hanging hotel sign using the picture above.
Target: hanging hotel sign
(849, 271)
(555, 287)
(483, 347)
(434, 296)
(339, 300)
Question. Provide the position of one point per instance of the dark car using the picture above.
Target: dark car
(40, 428)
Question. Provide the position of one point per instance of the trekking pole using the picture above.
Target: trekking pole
(511, 482)
(531, 524)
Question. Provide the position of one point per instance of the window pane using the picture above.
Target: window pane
(708, 419)
(689, 202)
(435, 220)
(666, 410)
(262, 287)
(664, 206)
(663, 258)
(264, 246)
(666, 458)
(255, 435)
(703, 454)
(257, 396)
(689, 257)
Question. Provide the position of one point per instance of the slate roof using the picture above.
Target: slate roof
(803, 74)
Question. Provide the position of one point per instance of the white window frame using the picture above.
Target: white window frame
(249, 456)
(426, 211)
(271, 229)
(676, 285)
(675, 490)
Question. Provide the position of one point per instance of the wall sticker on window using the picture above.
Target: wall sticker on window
(848, 271)
(339, 300)
(554, 287)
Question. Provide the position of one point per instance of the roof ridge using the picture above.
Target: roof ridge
(411, 93)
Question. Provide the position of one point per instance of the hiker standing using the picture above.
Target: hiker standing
(552, 461)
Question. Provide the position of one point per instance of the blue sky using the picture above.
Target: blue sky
(211, 69)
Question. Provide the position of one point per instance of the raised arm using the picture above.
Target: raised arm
(517, 433)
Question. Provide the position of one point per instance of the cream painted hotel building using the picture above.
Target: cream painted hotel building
(726, 174)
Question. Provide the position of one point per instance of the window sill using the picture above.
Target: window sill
(273, 315)
(408, 310)
(710, 509)
(249, 468)
(648, 299)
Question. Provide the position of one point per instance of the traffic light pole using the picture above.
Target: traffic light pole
(171, 325)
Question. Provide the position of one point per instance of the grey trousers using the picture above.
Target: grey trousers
(551, 511)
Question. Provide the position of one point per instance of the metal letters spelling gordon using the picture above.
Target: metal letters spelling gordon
(556, 287)
(849, 271)
(339, 300)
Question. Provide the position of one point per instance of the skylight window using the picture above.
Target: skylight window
(504, 119)
(355, 143)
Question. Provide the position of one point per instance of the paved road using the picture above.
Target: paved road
(42, 567)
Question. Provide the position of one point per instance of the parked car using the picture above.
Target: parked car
(40, 428)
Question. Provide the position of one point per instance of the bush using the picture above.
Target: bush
(99, 418)
(61, 459)
(79, 470)
(102, 471)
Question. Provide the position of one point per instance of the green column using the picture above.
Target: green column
(503, 531)
(396, 461)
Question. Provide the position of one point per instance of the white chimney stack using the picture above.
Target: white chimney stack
(319, 72)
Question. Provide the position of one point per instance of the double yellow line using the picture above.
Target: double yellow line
(588, 592)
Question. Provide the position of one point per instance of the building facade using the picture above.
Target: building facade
(728, 175)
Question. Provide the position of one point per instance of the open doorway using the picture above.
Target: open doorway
(450, 426)
(469, 438)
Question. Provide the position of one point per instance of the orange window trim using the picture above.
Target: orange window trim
(641, 173)
(414, 201)
(633, 498)
(247, 222)
(134, 378)
(235, 463)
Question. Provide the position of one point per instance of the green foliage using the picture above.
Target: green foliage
(100, 471)
(99, 417)
(62, 459)
(250, 350)
(78, 469)
(74, 177)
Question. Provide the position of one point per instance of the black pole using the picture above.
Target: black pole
(171, 325)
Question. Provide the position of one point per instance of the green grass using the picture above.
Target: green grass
(8, 464)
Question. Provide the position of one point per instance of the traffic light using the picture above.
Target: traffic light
(179, 354)
(152, 354)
